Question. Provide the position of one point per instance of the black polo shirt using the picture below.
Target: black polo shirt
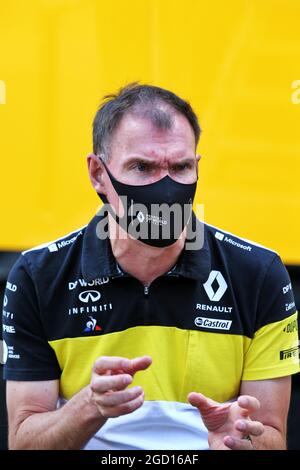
(223, 314)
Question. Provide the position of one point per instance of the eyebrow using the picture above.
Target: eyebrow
(153, 161)
(140, 159)
(184, 160)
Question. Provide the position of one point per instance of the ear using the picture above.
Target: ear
(96, 173)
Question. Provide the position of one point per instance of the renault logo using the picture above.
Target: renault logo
(217, 277)
(89, 296)
(140, 217)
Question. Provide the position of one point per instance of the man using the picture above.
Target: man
(145, 340)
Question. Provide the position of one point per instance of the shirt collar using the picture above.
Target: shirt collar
(98, 259)
(195, 263)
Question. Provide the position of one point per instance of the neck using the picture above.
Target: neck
(142, 261)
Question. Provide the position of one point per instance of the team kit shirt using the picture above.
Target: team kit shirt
(225, 313)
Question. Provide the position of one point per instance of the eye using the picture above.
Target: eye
(182, 167)
(141, 166)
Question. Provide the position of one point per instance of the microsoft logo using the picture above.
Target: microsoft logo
(219, 235)
(53, 247)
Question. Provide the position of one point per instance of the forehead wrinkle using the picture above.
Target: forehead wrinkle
(137, 136)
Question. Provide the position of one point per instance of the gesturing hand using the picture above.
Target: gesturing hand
(110, 379)
(228, 424)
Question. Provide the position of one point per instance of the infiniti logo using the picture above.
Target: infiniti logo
(89, 295)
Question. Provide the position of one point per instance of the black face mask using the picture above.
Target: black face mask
(156, 213)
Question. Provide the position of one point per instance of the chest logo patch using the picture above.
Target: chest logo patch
(215, 286)
(89, 296)
(91, 325)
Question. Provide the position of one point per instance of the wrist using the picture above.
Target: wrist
(85, 408)
(93, 410)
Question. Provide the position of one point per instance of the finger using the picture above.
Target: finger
(251, 404)
(235, 443)
(125, 408)
(201, 401)
(214, 414)
(139, 363)
(119, 398)
(104, 363)
(104, 383)
(254, 428)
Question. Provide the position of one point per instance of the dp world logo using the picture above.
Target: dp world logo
(215, 286)
(89, 296)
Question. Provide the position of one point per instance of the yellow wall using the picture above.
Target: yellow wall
(235, 61)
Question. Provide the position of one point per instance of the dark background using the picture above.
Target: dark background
(8, 258)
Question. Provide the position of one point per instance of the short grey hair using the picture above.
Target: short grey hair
(151, 102)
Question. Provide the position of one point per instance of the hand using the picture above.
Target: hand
(228, 424)
(110, 379)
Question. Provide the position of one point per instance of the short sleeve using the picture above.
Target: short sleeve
(27, 353)
(274, 349)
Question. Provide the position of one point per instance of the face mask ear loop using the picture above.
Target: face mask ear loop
(102, 161)
(105, 166)
(114, 215)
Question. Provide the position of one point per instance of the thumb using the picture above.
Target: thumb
(214, 414)
(201, 401)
